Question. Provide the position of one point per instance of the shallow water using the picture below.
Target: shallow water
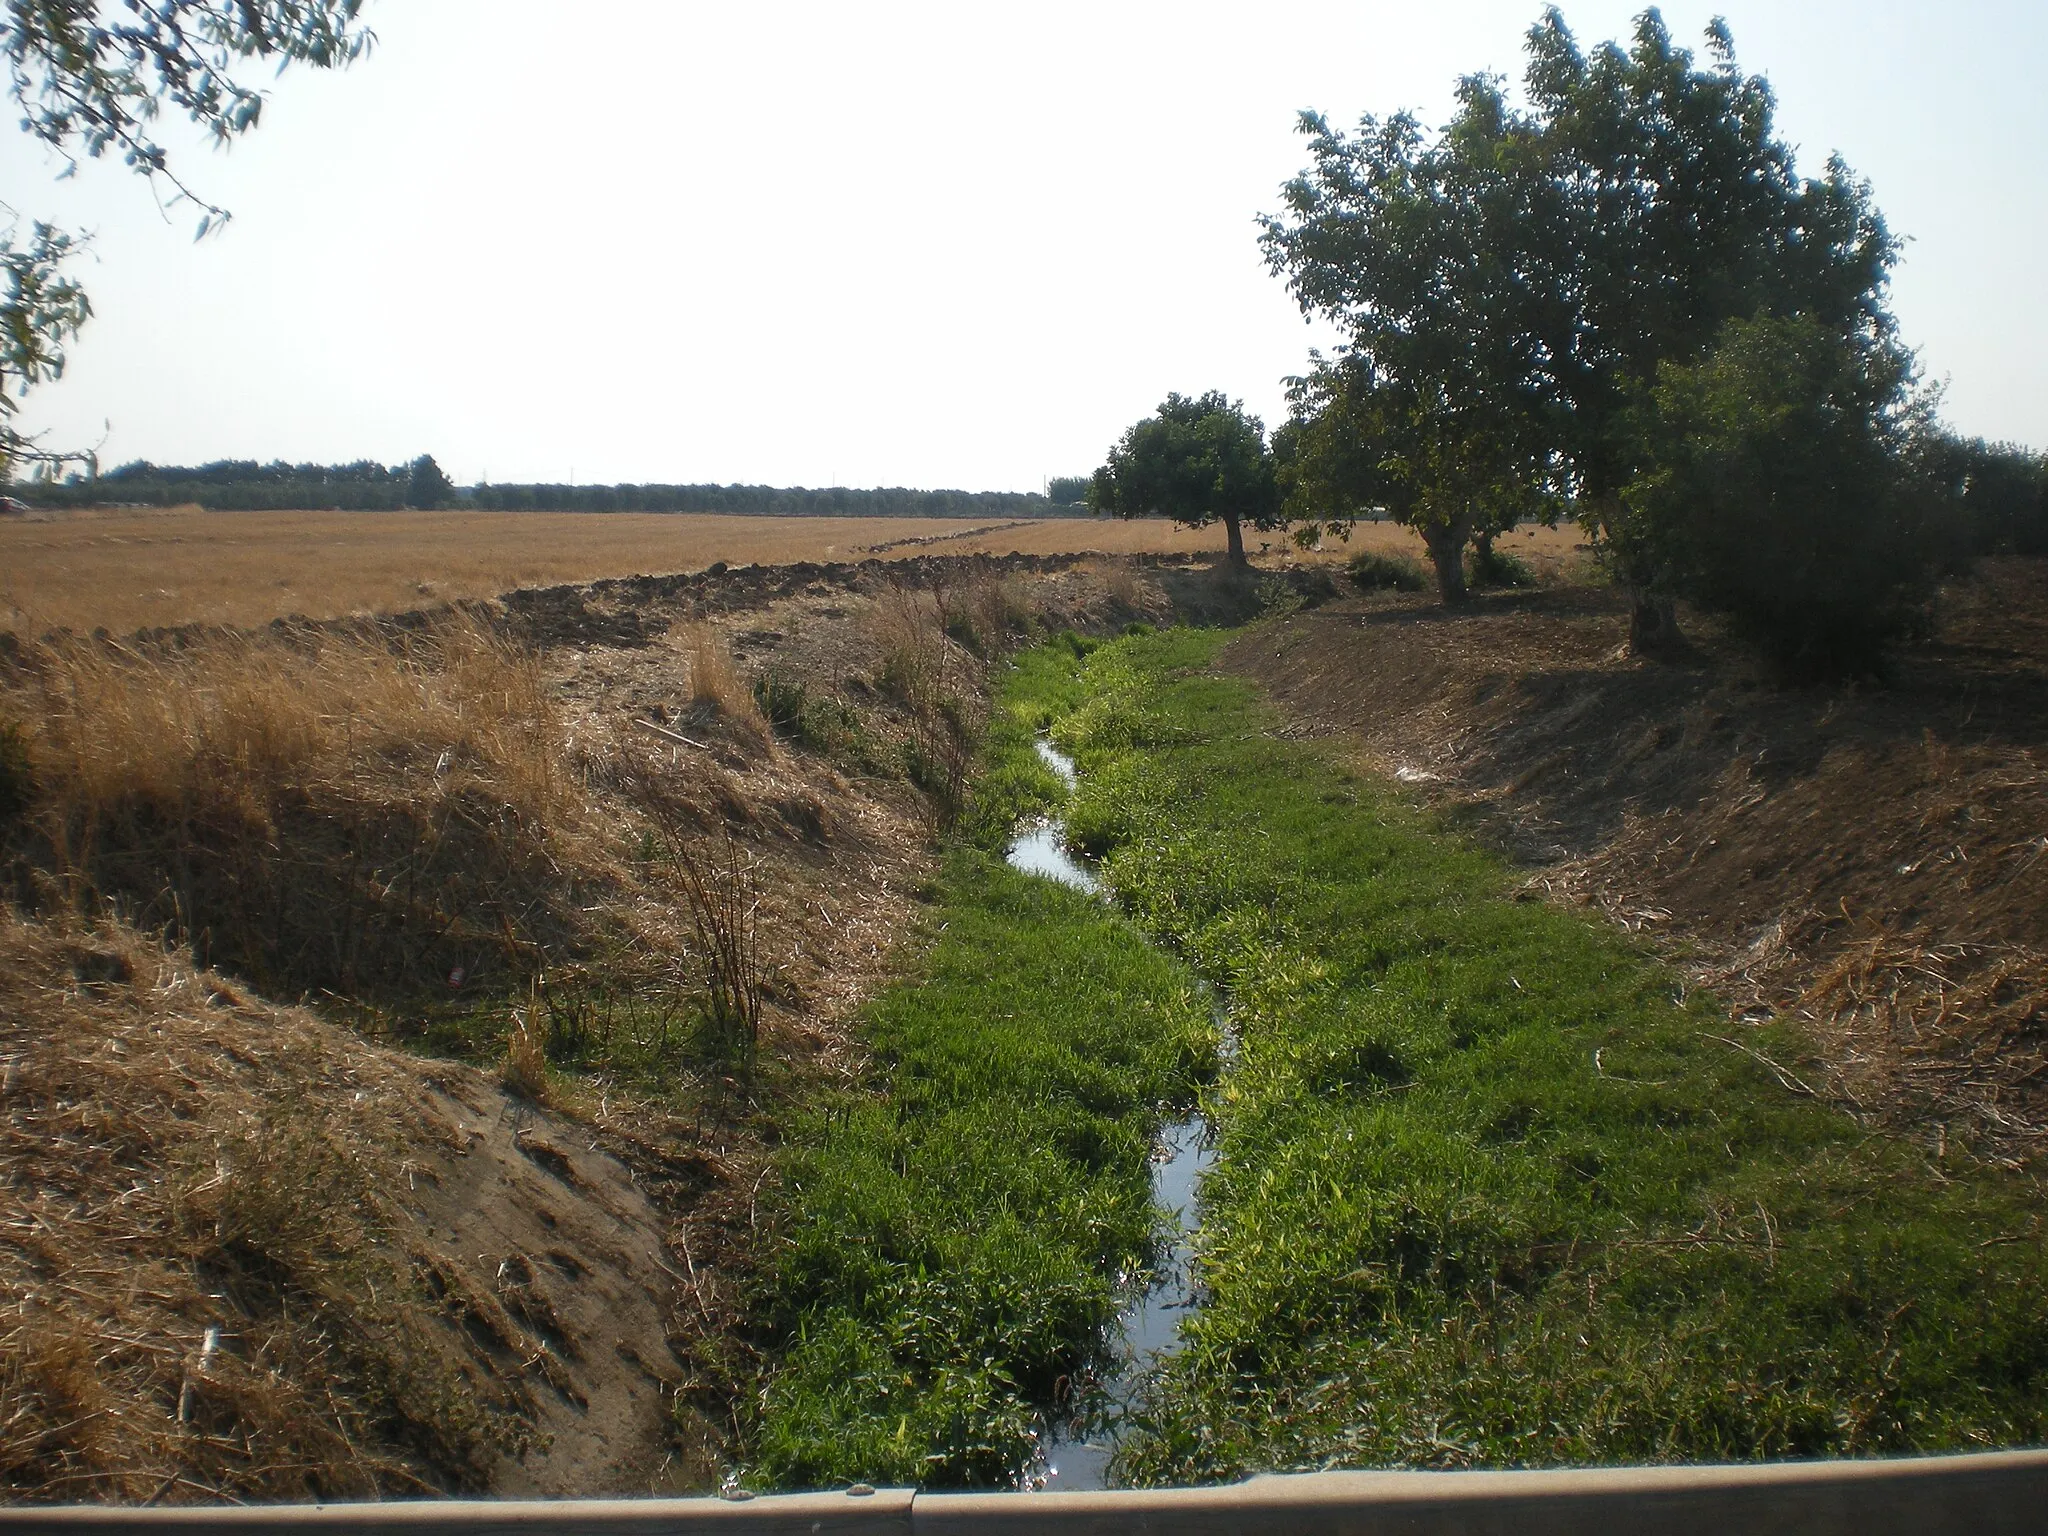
(1075, 1450)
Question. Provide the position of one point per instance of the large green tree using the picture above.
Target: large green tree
(1200, 460)
(1532, 268)
(91, 79)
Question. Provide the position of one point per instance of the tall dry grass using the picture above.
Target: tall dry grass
(716, 685)
(934, 664)
(359, 814)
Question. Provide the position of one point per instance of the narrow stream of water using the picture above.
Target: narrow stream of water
(1075, 1449)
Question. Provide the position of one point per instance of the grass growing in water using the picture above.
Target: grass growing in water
(953, 1230)
(1486, 1192)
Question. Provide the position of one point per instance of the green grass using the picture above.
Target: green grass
(950, 1233)
(1487, 1192)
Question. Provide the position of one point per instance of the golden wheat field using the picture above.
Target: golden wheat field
(129, 570)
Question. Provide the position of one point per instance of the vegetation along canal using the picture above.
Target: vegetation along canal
(1079, 1442)
(1489, 1186)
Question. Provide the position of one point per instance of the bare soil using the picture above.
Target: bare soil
(1872, 858)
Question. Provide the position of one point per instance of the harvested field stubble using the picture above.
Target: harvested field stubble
(131, 569)
(1866, 858)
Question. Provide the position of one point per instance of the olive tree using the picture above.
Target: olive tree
(1199, 460)
(91, 78)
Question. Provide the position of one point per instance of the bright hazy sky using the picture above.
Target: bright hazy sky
(947, 245)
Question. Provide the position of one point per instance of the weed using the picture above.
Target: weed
(953, 1232)
(1488, 565)
(526, 1058)
(783, 700)
(418, 782)
(718, 885)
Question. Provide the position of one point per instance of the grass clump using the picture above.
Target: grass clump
(1371, 571)
(1486, 1194)
(953, 1230)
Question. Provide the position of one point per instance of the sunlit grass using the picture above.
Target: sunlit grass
(952, 1230)
(1488, 1193)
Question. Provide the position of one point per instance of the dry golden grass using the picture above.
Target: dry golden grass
(133, 570)
(716, 685)
(351, 815)
(184, 1173)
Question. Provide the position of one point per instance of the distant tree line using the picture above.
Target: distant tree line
(762, 500)
(243, 485)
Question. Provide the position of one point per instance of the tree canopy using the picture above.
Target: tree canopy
(1200, 460)
(92, 78)
(1510, 286)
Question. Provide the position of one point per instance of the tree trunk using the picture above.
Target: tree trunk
(1234, 535)
(1446, 545)
(1652, 623)
(1482, 556)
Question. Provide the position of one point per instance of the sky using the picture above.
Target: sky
(930, 245)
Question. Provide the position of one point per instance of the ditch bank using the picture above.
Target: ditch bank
(1490, 1189)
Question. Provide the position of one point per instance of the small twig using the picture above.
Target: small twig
(668, 735)
(1787, 1080)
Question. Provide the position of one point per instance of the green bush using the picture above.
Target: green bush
(1373, 572)
(1488, 565)
(1780, 486)
(783, 701)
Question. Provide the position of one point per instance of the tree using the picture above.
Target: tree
(1198, 461)
(1522, 275)
(92, 78)
(1782, 485)
(428, 487)
(1414, 246)
(1359, 444)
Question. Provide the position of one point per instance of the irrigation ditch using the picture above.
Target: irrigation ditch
(1481, 1185)
(1078, 1441)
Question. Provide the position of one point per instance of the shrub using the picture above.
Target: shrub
(1374, 572)
(1779, 488)
(1488, 565)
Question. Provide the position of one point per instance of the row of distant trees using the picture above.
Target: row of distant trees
(1619, 304)
(243, 485)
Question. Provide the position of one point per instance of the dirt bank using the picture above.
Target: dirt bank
(1872, 858)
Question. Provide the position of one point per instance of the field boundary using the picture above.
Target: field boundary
(1987, 1492)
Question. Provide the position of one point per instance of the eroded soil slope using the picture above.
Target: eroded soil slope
(1872, 858)
(252, 1256)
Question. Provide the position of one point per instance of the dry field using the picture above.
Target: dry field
(131, 570)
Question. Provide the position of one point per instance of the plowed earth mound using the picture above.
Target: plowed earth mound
(1872, 858)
